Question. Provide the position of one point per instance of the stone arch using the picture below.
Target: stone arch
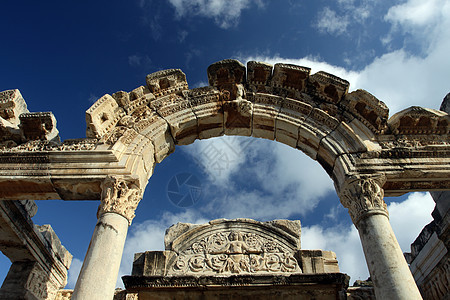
(367, 154)
(313, 113)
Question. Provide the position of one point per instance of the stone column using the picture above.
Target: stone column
(98, 275)
(390, 274)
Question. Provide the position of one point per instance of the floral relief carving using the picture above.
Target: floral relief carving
(44, 146)
(120, 196)
(363, 196)
(236, 252)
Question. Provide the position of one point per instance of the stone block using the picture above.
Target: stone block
(420, 121)
(308, 140)
(365, 134)
(265, 111)
(228, 76)
(330, 262)
(151, 263)
(53, 244)
(368, 109)
(178, 113)
(139, 158)
(327, 153)
(259, 76)
(343, 165)
(290, 118)
(322, 121)
(319, 261)
(327, 87)
(238, 117)
(12, 105)
(39, 126)
(156, 129)
(122, 98)
(207, 106)
(289, 80)
(166, 82)
(102, 117)
(344, 138)
(139, 99)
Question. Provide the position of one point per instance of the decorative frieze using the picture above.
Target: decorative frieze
(120, 196)
(165, 82)
(259, 76)
(363, 196)
(289, 80)
(236, 252)
(327, 87)
(368, 109)
(44, 146)
(420, 121)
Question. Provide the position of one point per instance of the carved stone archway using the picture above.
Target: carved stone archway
(366, 153)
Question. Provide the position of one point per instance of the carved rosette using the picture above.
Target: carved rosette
(363, 196)
(120, 196)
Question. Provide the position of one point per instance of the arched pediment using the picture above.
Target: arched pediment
(233, 246)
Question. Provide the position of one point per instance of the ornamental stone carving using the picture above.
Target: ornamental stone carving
(120, 196)
(234, 247)
(236, 252)
(363, 196)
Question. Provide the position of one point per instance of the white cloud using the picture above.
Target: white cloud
(262, 180)
(226, 13)
(137, 60)
(72, 274)
(219, 157)
(330, 22)
(182, 35)
(417, 12)
(92, 98)
(409, 217)
(346, 15)
(134, 60)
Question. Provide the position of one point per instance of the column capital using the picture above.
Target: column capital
(363, 196)
(120, 195)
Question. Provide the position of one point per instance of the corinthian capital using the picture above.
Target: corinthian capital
(363, 196)
(120, 196)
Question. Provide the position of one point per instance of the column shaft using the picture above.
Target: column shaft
(388, 269)
(390, 274)
(98, 276)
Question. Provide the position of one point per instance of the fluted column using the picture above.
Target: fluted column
(390, 274)
(98, 275)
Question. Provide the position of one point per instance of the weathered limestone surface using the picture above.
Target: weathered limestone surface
(39, 261)
(98, 275)
(364, 199)
(430, 253)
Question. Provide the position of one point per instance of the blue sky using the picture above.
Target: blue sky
(63, 56)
